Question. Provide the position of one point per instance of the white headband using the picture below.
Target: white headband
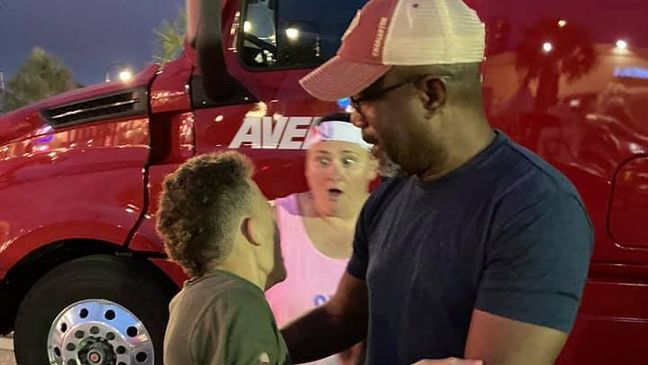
(333, 130)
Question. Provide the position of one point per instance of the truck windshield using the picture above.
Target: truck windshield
(294, 33)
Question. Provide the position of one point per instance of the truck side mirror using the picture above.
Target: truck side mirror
(192, 8)
(217, 82)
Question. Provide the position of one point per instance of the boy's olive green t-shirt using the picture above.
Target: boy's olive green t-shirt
(222, 319)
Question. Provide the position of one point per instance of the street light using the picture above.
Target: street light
(621, 44)
(2, 91)
(125, 75)
(547, 47)
(292, 33)
(124, 72)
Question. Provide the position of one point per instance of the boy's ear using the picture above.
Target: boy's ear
(248, 228)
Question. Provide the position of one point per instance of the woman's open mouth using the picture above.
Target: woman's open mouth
(334, 193)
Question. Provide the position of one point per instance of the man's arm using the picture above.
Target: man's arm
(534, 275)
(332, 327)
(502, 341)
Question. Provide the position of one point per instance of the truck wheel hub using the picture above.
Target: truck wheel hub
(94, 357)
(96, 351)
(99, 332)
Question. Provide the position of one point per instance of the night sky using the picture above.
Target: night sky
(90, 35)
(87, 35)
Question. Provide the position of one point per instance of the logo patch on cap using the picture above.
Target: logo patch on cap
(380, 37)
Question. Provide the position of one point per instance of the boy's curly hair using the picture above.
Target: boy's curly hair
(199, 206)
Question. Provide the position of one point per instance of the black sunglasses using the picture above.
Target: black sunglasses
(356, 101)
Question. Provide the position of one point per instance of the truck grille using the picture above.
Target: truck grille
(119, 105)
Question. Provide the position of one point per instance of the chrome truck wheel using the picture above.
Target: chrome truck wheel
(99, 332)
(96, 310)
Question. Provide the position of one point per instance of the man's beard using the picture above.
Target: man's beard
(386, 167)
(389, 168)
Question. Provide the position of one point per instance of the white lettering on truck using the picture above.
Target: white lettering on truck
(284, 133)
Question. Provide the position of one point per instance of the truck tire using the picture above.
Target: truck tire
(96, 310)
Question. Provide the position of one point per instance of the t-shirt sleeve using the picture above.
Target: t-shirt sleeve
(242, 331)
(536, 263)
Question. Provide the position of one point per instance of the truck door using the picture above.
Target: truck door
(569, 80)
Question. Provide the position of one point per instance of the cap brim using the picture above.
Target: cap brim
(339, 78)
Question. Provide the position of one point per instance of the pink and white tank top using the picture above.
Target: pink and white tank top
(312, 277)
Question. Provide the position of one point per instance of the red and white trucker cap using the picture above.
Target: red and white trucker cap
(385, 33)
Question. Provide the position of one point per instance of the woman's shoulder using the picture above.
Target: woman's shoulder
(288, 204)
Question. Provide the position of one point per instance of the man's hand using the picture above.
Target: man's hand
(449, 361)
(332, 327)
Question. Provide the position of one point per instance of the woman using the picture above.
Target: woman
(317, 226)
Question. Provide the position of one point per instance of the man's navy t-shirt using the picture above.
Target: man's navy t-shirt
(505, 233)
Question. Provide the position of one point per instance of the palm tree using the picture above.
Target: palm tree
(553, 49)
(169, 38)
(41, 76)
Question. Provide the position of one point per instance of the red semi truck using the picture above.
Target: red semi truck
(83, 277)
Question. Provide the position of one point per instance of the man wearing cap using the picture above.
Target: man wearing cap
(483, 250)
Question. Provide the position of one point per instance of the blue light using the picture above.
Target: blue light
(344, 103)
(632, 72)
(45, 139)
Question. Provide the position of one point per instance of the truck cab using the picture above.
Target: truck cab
(83, 275)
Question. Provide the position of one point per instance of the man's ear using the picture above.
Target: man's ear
(434, 92)
(248, 229)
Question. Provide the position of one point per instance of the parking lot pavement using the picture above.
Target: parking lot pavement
(6, 351)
